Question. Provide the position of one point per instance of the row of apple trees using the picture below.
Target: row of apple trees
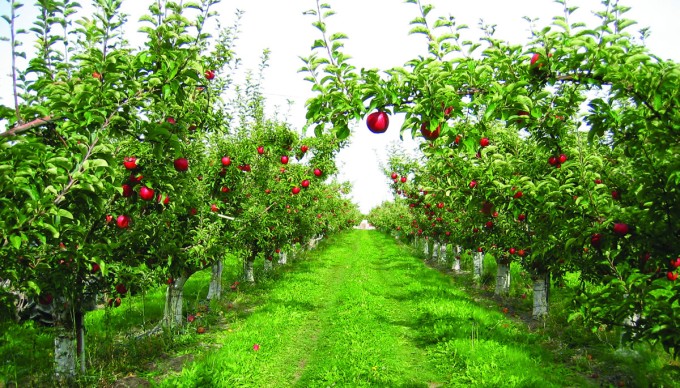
(124, 168)
(561, 154)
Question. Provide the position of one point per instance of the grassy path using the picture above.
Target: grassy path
(363, 312)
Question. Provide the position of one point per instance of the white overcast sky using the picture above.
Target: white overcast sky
(378, 38)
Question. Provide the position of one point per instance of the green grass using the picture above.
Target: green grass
(361, 310)
(365, 312)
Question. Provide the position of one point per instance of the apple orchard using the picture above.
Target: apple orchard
(560, 155)
(124, 169)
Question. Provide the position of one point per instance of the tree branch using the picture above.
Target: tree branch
(25, 127)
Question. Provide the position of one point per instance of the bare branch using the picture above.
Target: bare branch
(25, 127)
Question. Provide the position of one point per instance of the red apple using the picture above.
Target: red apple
(440, 205)
(190, 318)
(121, 289)
(123, 221)
(562, 158)
(127, 190)
(480, 249)
(267, 191)
(134, 179)
(489, 224)
(403, 179)
(457, 139)
(394, 175)
(473, 184)
(117, 302)
(429, 134)
(552, 161)
(521, 252)
(170, 120)
(621, 229)
(213, 208)
(96, 75)
(181, 164)
(146, 193)
(378, 122)
(295, 190)
(226, 161)
(209, 75)
(484, 142)
(675, 263)
(317, 172)
(225, 189)
(305, 183)
(672, 276)
(536, 62)
(304, 148)
(521, 217)
(193, 211)
(284, 159)
(260, 150)
(518, 195)
(130, 162)
(512, 251)
(109, 218)
(616, 195)
(534, 59)
(596, 240)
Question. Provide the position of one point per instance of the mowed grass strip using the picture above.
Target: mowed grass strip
(362, 311)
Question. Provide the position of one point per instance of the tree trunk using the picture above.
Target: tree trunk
(541, 295)
(435, 251)
(283, 258)
(64, 341)
(248, 272)
(172, 315)
(426, 249)
(478, 262)
(268, 264)
(64, 355)
(503, 279)
(456, 261)
(80, 339)
(215, 289)
(442, 253)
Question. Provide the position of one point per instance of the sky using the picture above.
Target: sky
(378, 38)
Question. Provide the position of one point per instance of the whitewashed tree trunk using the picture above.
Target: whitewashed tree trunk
(268, 264)
(541, 295)
(503, 279)
(426, 249)
(64, 355)
(65, 351)
(442, 253)
(478, 265)
(456, 260)
(416, 243)
(629, 325)
(283, 258)
(174, 298)
(248, 271)
(215, 288)
(435, 251)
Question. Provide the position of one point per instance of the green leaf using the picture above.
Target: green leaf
(15, 241)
